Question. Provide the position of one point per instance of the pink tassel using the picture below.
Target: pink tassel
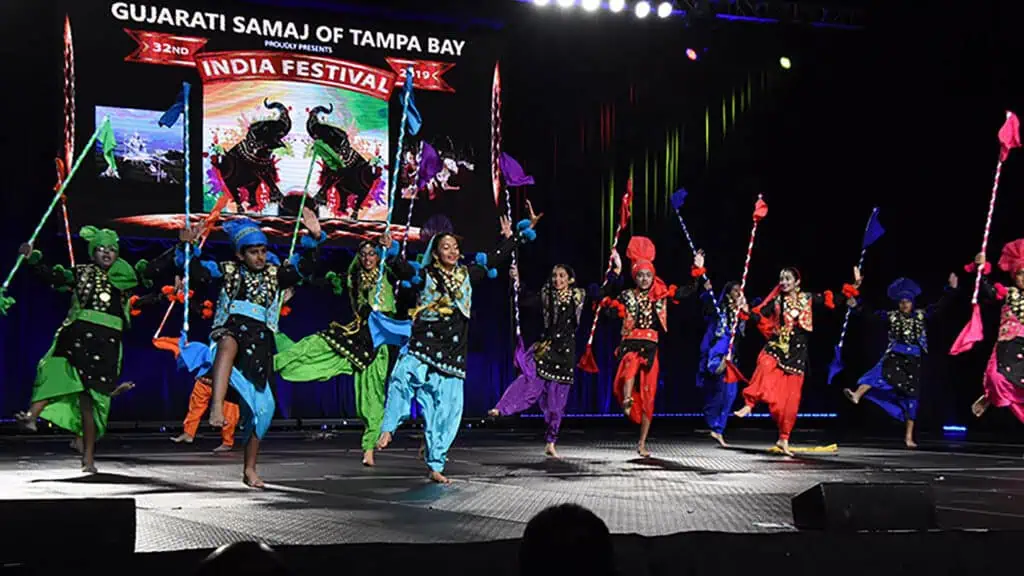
(972, 333)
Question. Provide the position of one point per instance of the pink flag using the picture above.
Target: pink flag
(1009, 135)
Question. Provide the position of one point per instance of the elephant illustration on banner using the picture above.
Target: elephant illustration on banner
(251, 163)
(355, 179)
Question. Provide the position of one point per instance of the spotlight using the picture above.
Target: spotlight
(542, 2)
(664, 10)
(785, 63)
(591, 5)
(691, 54)
(643, 8)
(616, 5)
(566, 3)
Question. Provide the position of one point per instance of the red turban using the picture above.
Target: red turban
(641, 251)
(1012, 258)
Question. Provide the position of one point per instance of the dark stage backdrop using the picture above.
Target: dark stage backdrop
(862, 119)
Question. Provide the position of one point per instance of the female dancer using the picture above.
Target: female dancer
(78, 375)
(349, 349)
(721, 315)
(1004, 376)
(432, 367)
(548, 365)
(893, 383)
(244, 325)
(644, 313)
(786, 318)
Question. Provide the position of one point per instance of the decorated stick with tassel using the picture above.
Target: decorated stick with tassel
(587, 363)
(760, 211)
(973, 332)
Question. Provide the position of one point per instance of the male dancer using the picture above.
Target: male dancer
(244, 327)
(644, 313)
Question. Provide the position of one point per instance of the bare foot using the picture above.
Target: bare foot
(720, 439)
(851, 395)
(122, 388)
(183, 438)
(743, 412)
(89, 467)
(77, 446)
(384, 440)
(784, 446)
(223, 448)
(368, 459)
(217, 419)
(910, 443)
(549, 450)
(641, 449)
(252, 480)
(422, 454)
(26, 421)
(439, 478)
(627, 406)
(980, 406)
(493, 413)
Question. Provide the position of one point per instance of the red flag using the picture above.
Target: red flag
(733, 374)
(1009, 135)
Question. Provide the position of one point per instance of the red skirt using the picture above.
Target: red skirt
(778, 389)
(645, 385)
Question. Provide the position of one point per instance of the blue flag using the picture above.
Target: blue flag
(170, 118)
(873, 231)
(412, 114)
(836, 366)
(678, 198)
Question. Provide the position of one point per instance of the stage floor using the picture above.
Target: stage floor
(319, 493)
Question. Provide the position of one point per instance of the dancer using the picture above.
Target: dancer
(644, 313)
(77, 376)
(786, 318)
(730, 309)
(548, 365)
(244, 327)
(1004, 375)
(894, 382)
(349, 349)
(432, 366)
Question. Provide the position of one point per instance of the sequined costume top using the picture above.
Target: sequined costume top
(643, 319)
(353, 340)
(555, 351)
(440, 327)
(720, 318)
(787, 321)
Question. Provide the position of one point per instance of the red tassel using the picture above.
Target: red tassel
(972, 333)
(286, 310)
(167, 290)
(733, 374)
(587, 362)
(743, 316)
(971, 268)
(830, 299)
(697, 272)
(1001, 291)
(850, 291)
(207, 313)
(167, 343)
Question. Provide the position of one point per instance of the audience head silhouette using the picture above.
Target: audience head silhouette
(243, 559)
(566, 540)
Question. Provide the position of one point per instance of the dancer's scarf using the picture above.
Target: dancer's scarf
(587, 362)
(732, 373)
(872, 232)
(105, 134)
(1009, 138)
(384, 329)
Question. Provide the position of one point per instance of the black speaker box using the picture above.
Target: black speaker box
(844, 506)
(47, 531)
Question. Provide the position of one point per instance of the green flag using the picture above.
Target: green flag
(108, 142)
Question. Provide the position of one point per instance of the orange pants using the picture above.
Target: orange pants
(645, 384)
(777, 388)
(197, 405)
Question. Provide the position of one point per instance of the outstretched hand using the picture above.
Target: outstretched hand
(311, 221)
(385, 240)
(534, 217)
(506, 226)
(25, 249)
(188, 234)
(857, 278)
(513, 272)
(954, 280)
(698, 259)
(616, 262)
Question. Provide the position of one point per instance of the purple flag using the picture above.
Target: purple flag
(430, 165)
(514, 175)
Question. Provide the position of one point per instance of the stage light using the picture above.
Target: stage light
(591, 5)
(643, 8)
(664, 10)
(566, 3)
(542, 2)
(616, 5)
(785, 63)
(691, 54)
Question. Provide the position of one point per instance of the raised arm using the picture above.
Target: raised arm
(302, 265)
(696, 271)
(57, 277)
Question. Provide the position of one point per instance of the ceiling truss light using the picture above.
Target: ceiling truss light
(591, 5)
(643, 9)
(665, 9)
(566, 3)
(542, 2)
(616, 5)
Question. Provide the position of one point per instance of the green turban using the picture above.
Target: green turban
(97, 238)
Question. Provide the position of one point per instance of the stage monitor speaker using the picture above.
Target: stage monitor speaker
(846, 506)
(59, 530)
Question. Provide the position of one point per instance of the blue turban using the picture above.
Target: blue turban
(245, 233)
(903, 289)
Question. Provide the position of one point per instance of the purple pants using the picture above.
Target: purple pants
(529, 389)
